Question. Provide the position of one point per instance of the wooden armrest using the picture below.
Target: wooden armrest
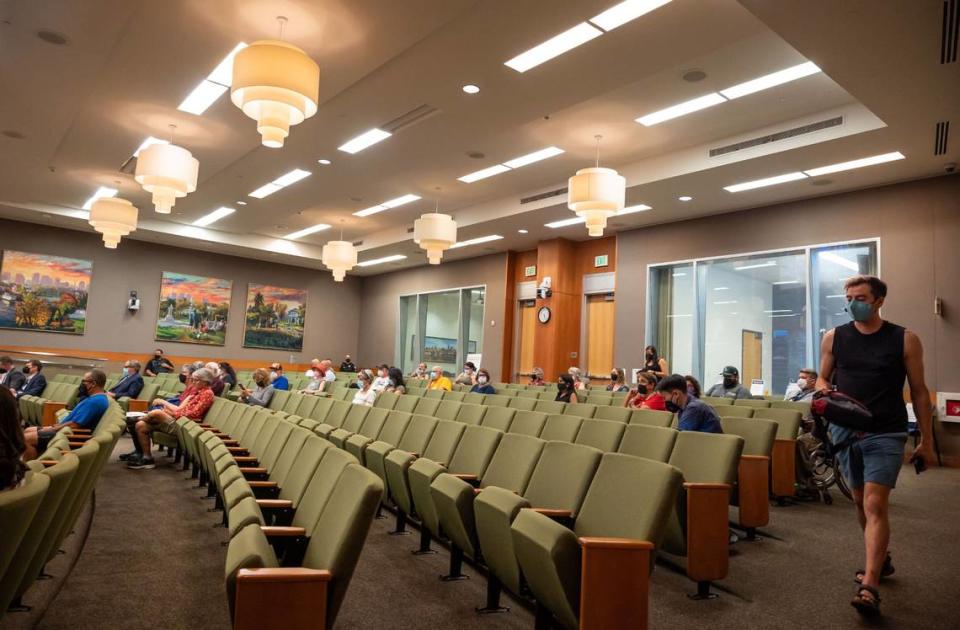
(275, 504)
(464, 476)
(271, 531)
(237, 449)
(80, 431)
(415, 455)
(262, 484)
(242, 459)
(554, 513)
(708, 553)
(783, 469)
(79, 438)
(596, 542)
(74, 445)
(753, 491)
(256, 470)
(49, 412)
(230, 442)
(137, 405)
(290, 597)
(614, 583)
(284, 574)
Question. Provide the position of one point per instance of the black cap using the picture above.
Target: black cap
(730, 371)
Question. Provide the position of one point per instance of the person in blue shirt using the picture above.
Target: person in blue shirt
(86, 415)
(131, 384)
(483, 385)
(692, 413)
(277, 379)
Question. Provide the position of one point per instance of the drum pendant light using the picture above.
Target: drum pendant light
(276, 84)
(168, 172)
(114, 218)
(596, 194)
(435, 233)
(339, 257)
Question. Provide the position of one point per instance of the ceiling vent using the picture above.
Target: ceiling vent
(357, 243)
(415, 116)
(941, 137)
(546, 195)
(777, 137)
(950, 31)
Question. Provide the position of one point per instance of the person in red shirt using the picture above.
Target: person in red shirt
(644, 396)
(194, 406)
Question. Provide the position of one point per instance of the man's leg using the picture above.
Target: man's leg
(30, 438)
(876, 533)
(858, 501)
(142, 437)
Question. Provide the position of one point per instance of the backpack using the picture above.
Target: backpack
(842, 410)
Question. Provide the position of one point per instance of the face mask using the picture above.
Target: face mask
(691, 392)
(26, 369)
(482, 380)
(802, 383)
(859, 311)
(393, 382)
(613, 376)
(561, 386)
(82, 389)
(360, 383)
(649, 355)
(729, 382)
(672, 406)
(157, 355)
(183, 378)
(3, 370)
(642, 390)
(437, 375)
(273, 376)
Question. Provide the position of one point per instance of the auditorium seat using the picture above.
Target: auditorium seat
(584, 410)
(560, 427)
(434, 394)
(751, 402)
(641, 440)
(734, 411)
(499, 418)
(336, 417)
(784, 456)
(427, 405)
(608, 412)
(390, 431)
(752, 491)
(651, 417)
(496, 400)
(528, 423)
(522, 403)
(17, 509)
(604, 435)
(716, 401)
(371, 421)
(414, 440)
(387, 400)
(447, 410)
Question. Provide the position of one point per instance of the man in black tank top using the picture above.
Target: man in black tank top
(869, 359)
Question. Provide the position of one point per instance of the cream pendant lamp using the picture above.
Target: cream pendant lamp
(167, 172)
(276, 84)
(114, 218)
(339, 257)
(435, 233)
(595, 194)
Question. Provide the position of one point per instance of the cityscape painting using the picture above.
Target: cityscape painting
(44, 293)
(193, 309)
(274, 317)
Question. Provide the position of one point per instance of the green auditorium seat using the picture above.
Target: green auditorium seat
(387, 400)
(599, 399)
(522, 403)
(560, 427)
(415, 439)
(447, 410)
(604, 435)
(470, 414)
(427, 406)
(547, 394)
(456, 396)
(584, 410)
(596, 575)
(496, 400)
(407, 402)
(307, 404)
(436, 394)
(335, 417)
(783, 459)
(18, 507)
(390, 431)
(802, 407)
(549, 406)
(293, 402)
(322, 408)
(607, 412)
(528, 423)
(642, 440)
(751, 402)
(473, 398)
(716, 401)
(499, 418)
(353, 422)
(651, 417)
(737, 411)
(529, 393)
(371, 427)
(279, 400)
(752, 491)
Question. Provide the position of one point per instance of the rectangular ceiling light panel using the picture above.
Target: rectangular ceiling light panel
(476, 241)
(313, 229)
(387, 205)
(517, 162)
(620, 14)
(280, 183)
(852, 164)
(103, 191)
(380, 261)
(214, 216)
(213, 87)
(767, 181)
(771, 80)
(681, 109)
(554, 47)
(364, 140)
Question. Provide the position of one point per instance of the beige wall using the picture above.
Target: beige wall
(137, 266)
(380, 305)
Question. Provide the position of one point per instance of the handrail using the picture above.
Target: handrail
(91, 362)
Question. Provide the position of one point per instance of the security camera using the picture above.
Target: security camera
(950, 167)
(133, 304)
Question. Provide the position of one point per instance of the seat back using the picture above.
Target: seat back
(418, 434)
(522, 403)
(17, 509)
(651, 417)
(447, 410)
(758, 434)
(456, 396)
(471, 414)
(473, 398)
(320, 485)
(608, 412)
(307, 405)
(601, 434)
(436, 394)
(277, 441)
(642, 440)
(529, 393)
(394, 427)
(549, 406)
(528, 423)
(321, 408)
(559, 427)
(717, 401)
(387, 400)
(407, 402)
(498, 418)
(788, 421)
(427, 406)
(513, 462)
(443, 442)
(303, 467)
(751, 402)
(474, 451)
(707, 457)
(562, 476)
(289, 455)
(734, 411)
(373, 423)
(278, 400)
(496, 400)
(338, 412)
(802, 407)
(355, 418)
(583, 410)
(293, 402)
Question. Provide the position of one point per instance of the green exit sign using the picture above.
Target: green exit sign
(529, 272)
(600, 261)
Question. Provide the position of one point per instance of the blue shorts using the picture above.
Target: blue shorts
(874, 458)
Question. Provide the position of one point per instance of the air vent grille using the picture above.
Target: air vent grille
(546, 195)
(950, 31)
(357, 243)
(940, 138)
(414, 116)
(776, 137)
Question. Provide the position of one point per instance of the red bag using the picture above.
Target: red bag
(842, 410)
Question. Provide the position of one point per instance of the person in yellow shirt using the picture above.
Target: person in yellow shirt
(438, 380)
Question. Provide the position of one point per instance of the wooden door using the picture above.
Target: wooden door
(751, 364)
(600, 317)
(527, 330)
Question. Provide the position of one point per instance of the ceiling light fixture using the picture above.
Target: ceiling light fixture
(681, 109)
(339, 257)
(214, 216)
(476, 241)
(470, 88)
(168, 172)
(620, 14)
(276, 84)
(839, 260)
(148, 142)
(565, 223)
(213, 87)
(852, 164)
(380, 261)
(769, 263)
(241, 203)
(522, 231)
(483, 173)
(554, 47)
(596, 194)
(771, 80)
(517, 162)
(101, 193)
(640, 207)
(783, 282)
(313, 229)
(280, 183)
(684, 198)
(114, 218)
(324, 162)
(766, 181)
(435, 233)
(387, 205)
(364, 140)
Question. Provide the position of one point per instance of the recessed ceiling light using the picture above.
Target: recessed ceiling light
(620, 14)
(517, 162)
(554, 47)
(766, 181)
(148, 142)
(213, 87)
(280, 183)
(306, 231)
(476, 241)
(103, 191)
(214, 216)
(681, 109)
(852, 164)
(771, 80)
(523, 231)
(52, 37)
(781, 282)
(241, 203)
(364, 140)
(684, 198)
(693, 76)
(483, 173)
(386, 205)
(565, 223)
(769, 263)
(470, 88)
(380, 261)
(324, 162)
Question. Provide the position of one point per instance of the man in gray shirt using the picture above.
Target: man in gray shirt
(731, 387)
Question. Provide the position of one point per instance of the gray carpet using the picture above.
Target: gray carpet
(152, 557)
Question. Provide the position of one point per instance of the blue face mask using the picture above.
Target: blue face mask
(859, 311)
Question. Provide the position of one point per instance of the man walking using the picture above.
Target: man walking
(868, 359)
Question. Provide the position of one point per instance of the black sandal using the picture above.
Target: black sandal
(887, 570)
(868, 606)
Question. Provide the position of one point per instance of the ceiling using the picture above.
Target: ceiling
(73, 114)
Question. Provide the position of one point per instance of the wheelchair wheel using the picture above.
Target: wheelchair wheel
(841, 482)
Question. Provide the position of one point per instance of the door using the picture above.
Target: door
(526, 331)
(599, 347)
(751, 364)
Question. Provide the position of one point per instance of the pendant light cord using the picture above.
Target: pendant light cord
(282, 21)
(598, 136)
(173, 129)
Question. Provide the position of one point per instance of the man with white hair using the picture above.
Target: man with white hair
(314, 368)
(217, 385)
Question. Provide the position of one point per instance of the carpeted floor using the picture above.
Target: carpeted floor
(153, 557)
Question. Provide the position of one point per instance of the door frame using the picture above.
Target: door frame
(517, 330)
(758, 333)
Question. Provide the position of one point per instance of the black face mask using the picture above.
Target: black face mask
(613, 377)
(642, 389)
(26, 369)
(183, 378)
(561, 386)
(82, 390)
(672, 406)
(3, 370)
(729, 382)
(649, 355)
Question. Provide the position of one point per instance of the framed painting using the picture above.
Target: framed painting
(193, 309)
(44, 293)
(439, 350)
(274, 317)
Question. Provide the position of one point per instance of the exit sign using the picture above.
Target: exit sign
(529, 272)
(600, 261)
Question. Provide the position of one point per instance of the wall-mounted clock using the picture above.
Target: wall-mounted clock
(544, 314)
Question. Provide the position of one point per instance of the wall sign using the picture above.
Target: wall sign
(529, 272)
(600, 261)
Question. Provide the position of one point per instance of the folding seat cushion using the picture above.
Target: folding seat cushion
(279, 400)
(390, 431)
(641, 440)
(560, 427)
(309, 424)
(630, 499)
(651, 417)
(529, 393)
(549, 406)
(601, 434)
(335, 417)
(321, 409)
(558, 483)
(474, 398)
(307, 405)
(498, 418)
(387, 400)
(716, 401)
(522, 403)
(752, 402)
(370, 429)
(608, 412)
(427, 406)
(415, 439)
(407, 402)
(528, 423)
(434, 394)
(352, 423)
(736, 411)
(496, 400)
(456, 396)
(446, 435)
(584, 410)
(447, 410)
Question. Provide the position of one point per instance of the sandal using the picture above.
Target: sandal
(887, 570)
(867, 601)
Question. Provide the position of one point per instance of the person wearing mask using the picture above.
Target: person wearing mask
(382, 381)
(35, 382)
(566, 389)
(262, 391)
(10, 377)
(131, 384)
(653, 362)
(12, 443)
(217, 385)
(730, 387)
(277, 379)
(366, 394)
(421, 373)
(397, 386)
(483, 385)
(693, 386)
(86, 415)
(805, 387)
(468, 376)
(438, 380)
(692, 413)
(536, 377)
(618, 380)
(313, 369)
(645, 395)
(869, 359)
(228, 375)
(315, 384)
(158, 364)
(579, 380)
(347, 365)
(195, 406)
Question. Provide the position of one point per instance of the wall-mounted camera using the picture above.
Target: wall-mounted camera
(544, 291)
(133, 304)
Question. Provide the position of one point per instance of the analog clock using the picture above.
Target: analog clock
(544, 314)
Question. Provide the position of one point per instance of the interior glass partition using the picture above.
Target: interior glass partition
(440, 328)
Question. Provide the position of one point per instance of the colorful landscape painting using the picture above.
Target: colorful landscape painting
(45, 293)
(193, 309)
(439, 350)
(274, 317)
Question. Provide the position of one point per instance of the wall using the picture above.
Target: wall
(380, 298)
(137, 266)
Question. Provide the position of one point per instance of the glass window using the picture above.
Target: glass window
(473, 302)
(672, 300)
(440, 328)
(408, 347)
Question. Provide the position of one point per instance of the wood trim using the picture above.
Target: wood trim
(552, 513)
(614, 583)
(509, 309)
(282, 531)
(50, 409)
(288, 598)
(708, 555)
(275, 504)
(137, 405)
(753, 490)
(783, 468)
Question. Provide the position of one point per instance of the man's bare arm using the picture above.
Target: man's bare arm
(826, 362)
(919, 394)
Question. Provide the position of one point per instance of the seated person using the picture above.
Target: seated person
(347, 365)
(566, 390)
(618, 381)
(193, 406)
(35, 382)
(692, 413)
(397, 386)
(644, 395)
(731, 387)
(10, 377)
(159, 364)
(228, 375)
(217, 385)
(329, 376)
(693, 386)
(805, 387)
(315, 384)
(438, 380)
(536, 377)
(468, 376)
(366, 394)
(262, 392)
(420, 373)
(277, 379)
(186, 377)
(131, 384)
(383, 378)
(483, 385)
(12, 444)
(579, 379)
(86, 415)
(313, 369)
